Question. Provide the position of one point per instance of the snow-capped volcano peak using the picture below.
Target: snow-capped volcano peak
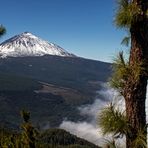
(27, 44)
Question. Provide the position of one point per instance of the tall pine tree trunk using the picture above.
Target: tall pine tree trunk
(135, 110)
(135, 92)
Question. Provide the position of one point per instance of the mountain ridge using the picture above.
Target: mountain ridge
(67, 83)
(27, 44)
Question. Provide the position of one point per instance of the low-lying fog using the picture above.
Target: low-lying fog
(90, 130)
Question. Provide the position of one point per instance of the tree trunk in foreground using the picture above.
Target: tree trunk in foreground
(135, 91)
(135, 110)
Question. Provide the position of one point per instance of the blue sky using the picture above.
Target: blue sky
(83, 27)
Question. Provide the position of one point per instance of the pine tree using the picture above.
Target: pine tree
(29, 132)
(2, 30)
(132, 75)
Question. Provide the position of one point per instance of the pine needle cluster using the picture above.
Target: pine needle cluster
(125, 72)
(140, 139)
(2, 30)
(128, 12)
(112, 121)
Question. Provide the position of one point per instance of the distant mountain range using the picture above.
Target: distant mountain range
(46, 80)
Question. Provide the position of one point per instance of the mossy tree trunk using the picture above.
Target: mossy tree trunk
(135, 91)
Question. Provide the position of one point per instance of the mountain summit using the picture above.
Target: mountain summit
(27, 44)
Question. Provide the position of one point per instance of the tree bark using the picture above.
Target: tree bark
(135, 92)
(135, 111)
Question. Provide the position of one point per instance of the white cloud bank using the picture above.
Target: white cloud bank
(84, 130)
(89, 130)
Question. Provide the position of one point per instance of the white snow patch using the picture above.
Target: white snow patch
(27, 44)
